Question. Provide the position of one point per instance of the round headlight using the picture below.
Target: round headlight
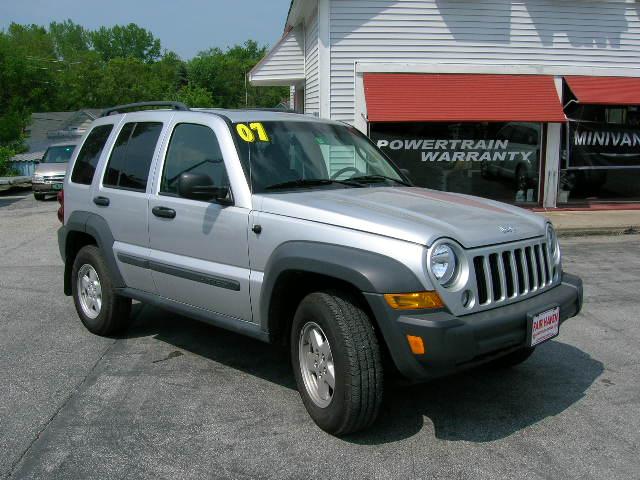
(443, 263)
(552, 244)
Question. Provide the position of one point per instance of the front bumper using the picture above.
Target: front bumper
(46, 187)
(455, 343)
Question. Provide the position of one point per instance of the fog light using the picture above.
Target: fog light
(414, 301)
(416, 344)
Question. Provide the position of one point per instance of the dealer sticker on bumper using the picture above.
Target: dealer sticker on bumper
(545, 326)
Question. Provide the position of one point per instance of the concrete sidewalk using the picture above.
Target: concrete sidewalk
(9, 182)
(599, 222)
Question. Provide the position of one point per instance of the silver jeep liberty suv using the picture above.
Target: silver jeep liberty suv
(300, 232)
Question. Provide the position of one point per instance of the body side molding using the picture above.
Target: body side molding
(181, 272)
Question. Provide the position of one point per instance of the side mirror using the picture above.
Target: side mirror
(406, 172)
(198, 186)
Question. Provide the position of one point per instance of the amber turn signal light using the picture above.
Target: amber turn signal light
(414, 301)
(416, 344)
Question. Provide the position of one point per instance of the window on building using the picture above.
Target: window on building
(130, 160)
(194, 149)
(488, 159)
(89, 155)
(600, 159)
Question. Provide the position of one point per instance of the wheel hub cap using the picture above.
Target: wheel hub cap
(89, 291)
(316, 364)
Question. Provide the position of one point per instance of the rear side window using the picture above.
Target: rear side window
(89, 155)
(128, 166)
(194, 149)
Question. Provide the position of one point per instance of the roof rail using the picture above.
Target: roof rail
(140, 106)
(271, 109)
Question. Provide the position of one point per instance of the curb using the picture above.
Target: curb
(14, 180)
(598, 231)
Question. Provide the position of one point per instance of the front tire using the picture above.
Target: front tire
(100, 309)
(38, 196)
(337, 363)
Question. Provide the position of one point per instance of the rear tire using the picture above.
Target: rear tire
(512, 359)
(100, 309)
(340, 380)
(38, 196)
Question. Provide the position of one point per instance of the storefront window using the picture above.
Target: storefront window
(600, 154)
(494, 160)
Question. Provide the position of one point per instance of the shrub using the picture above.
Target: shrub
(5, 167)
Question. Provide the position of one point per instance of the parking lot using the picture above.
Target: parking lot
(177, 399)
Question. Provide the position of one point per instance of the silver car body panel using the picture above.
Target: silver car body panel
(415, 215)
(51, 169)
(278, 229)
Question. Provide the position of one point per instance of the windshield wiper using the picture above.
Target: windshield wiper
(376, 179)
(310, 182)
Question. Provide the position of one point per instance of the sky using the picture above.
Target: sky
(184, 26)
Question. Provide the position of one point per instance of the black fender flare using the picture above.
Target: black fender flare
(367, 271)
(96, 226)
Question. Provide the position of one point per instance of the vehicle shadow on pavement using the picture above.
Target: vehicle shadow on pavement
(480, 405)
(228, 348)
(485, 404)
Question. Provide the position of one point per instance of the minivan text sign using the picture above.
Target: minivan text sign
(603, 146)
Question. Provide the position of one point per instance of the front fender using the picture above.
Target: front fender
(367, 271)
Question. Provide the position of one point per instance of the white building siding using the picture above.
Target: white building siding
(285, 62)
(312, 84)
(570, 33)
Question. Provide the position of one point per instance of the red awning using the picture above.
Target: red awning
(395, 97)
(605, 90)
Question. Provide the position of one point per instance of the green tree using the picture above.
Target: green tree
(129, 41)
(78, 82)
(225, 74)
(5, 155)
(69, 39)
(25, 82)
(193, 96)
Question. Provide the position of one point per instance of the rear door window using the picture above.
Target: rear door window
(89, 154)
(130, 160)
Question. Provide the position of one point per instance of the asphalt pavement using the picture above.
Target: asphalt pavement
(176, 399)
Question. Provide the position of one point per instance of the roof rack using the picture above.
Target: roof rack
(140, 106)
(273, 109)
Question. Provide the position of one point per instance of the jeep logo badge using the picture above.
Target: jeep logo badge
(506, 229)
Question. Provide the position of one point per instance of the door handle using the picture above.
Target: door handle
(101, 201)
(164, 212)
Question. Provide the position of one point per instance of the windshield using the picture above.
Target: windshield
(60, 154)
(295, 155)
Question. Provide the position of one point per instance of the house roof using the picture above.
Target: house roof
(28, 157)
(47, 128)
(284, 63)
(293, 16)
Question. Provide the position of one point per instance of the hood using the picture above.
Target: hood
(51, 169)
(412, 214)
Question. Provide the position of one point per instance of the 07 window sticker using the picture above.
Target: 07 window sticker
(252, 132)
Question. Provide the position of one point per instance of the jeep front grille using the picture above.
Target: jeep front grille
(510, 273)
